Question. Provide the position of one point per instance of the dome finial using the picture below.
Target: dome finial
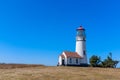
(81, 25)
(80, 28)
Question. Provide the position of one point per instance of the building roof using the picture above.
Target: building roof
(71, 54)
(80, 28)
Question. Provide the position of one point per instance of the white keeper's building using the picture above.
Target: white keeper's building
(79, 57)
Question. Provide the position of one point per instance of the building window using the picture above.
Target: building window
(70, 60)
(77, 61)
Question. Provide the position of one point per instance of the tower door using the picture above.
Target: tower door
(63, 62)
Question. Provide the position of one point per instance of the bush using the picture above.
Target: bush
(95, 61)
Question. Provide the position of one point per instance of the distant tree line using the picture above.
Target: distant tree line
(95, 61)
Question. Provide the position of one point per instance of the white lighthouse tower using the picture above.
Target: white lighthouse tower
(81, 44)
(79, 57)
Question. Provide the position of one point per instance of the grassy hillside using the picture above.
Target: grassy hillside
(59, 73)
(12, 66)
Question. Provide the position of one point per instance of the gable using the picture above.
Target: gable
(72, 54)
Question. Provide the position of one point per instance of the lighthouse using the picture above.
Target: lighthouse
(79, 57)
(81, 44)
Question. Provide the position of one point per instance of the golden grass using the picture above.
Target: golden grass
(60, 73)
(11, 66)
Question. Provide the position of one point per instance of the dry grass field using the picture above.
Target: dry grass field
(59, 73)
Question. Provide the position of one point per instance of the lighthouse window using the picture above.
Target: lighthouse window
(83, 39)
(84, 52)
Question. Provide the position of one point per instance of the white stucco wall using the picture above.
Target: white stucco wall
(65, 58)
(84, 60)
(81, 46)
(73, 61)
(60, 60)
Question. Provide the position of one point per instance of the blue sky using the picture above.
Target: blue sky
(37, 31)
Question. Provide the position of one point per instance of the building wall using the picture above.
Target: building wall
(65, 59)
(72, 61)
(60, 60)
(84, 60)
(69, 62)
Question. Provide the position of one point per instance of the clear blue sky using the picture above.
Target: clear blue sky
(37, 31)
